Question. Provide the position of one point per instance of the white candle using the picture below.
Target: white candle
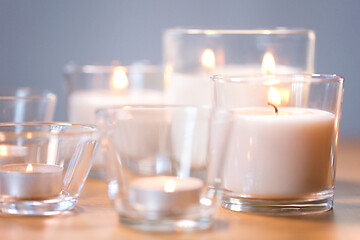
(283, 156)
(164, 193)
(20, 181)
(83, 104)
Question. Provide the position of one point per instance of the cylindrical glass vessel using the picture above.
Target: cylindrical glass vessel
(156, 166)
(26, 105)
(191, 56)
(281, 142)
(43, 166)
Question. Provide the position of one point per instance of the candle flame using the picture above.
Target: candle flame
(2, 137)
(169, 186)
(29, 168)
(119, 79)
(208, 58)
(274, 96)
(268, 65)
(29, 135)
(169, 69)
(3, 151)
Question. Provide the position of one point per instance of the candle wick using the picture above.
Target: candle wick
(276, 109)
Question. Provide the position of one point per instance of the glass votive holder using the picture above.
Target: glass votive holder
(156, 166)
(43, 166)
(90, 87)
(191, 56)
(26, 105)
(280, 142)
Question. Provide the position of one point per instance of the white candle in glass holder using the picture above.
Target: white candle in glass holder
(30, 181)
(164, 193)
(279, 156)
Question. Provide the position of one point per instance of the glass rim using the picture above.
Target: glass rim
(100, 68)
(85, 128)
(279, 77)
(148, 107)
(214, 31)
(8, 93)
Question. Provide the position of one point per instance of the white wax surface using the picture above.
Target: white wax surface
(43, 182)
(82, 105)
(148, 193)
(284, 156)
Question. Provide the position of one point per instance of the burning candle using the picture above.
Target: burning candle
(30, 181)
(279, 153)
(164, 193)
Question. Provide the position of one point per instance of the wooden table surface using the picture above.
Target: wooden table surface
(94, 217)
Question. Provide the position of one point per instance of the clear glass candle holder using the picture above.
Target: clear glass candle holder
(43, 166)
(156, 166)
(280, 140)
(26, 105)
(191, 56)
(90, 87)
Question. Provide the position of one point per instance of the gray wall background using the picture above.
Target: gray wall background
(38, 37)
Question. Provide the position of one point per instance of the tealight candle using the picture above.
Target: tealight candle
(30, 180)
(164, 193)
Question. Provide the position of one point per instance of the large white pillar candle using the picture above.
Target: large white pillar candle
(279, 156)
(164, 193)
(30, 181)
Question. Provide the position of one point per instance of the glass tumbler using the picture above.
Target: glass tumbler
(281, 142)
(26, 105)
(156, 166)
(43, 166)
(191, 56)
